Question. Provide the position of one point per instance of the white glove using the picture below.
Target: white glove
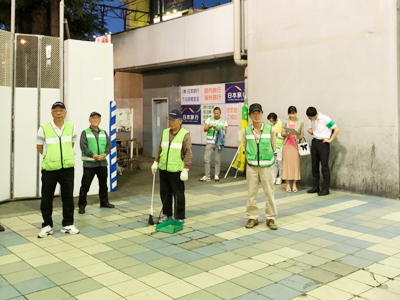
(154, 167)
(185, 174)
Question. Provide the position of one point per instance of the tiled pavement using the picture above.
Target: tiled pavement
(342, 246)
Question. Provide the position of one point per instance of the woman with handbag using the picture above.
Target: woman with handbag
(290, 152)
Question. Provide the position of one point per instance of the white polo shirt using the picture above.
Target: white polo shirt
(322, 127)
(40, 139)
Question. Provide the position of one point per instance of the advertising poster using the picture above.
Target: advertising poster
(234, 92)
(231, 113)
(190, 95)
(206, 112)
(213, 94)
(191, 114)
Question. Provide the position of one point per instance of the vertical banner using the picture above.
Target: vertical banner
(113, 139)
(241, 158)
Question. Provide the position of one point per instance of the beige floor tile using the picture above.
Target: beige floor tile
(52, 293)
(305, 297)
(320, 242)
(384, 249)
(228, 272)
(145, 230)
(129, 287)
(394, 286)
(312, 260)
(329, 254)
(348, 233)
(269, 258)
(149, 294)
(229, 235)
(350, 286)
(96, 249)
(83, 261)
(391, 243)
(59, 248)
(23, 248)
(42, 260)
(157, 279)
(128, 234)
(100, 294)
(327, 292)
(391, 261)
(383, 270)
(112, 278)
(22, 275)
(32, 254)
(288, 252)
(83, 243)
(283, 241)
(178, 289)
(70, 254)
(204, 280)
(14, 221)
(107, 238)
(48, 242)
(113, 218)
(249, 265)
(379, 294)
(73, 237)
(96, 269)
(371, 238)
(294, 227)
(367, 278)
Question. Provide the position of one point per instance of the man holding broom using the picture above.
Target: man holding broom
(173, 158)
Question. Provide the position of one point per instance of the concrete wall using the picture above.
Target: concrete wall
(128, 93)
(339, 56)
(204, 35)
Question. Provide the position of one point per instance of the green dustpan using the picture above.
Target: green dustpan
(170, 226)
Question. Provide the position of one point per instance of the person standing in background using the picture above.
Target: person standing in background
(273, 118)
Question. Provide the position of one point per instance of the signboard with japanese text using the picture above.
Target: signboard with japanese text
(172, 6)
(190, 95)
(231, 114)
(191, 114)
(234, 92)
(213, 94)
(206, 112)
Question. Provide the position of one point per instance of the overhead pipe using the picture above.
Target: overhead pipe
(239, 33)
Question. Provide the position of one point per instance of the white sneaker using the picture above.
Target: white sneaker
(279, 181)
(71, 229)
(205, 178)
(274, 181)
(181, 220)
(45, 231)
(216, 178)
(164, 218)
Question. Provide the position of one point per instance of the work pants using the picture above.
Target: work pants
(277, 173)
(172, 185)
(210, 148)
(320, 154)
(254, 175)
(87, 178)
(65, 177)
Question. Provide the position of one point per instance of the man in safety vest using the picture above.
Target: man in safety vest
(273, 118)
(95, 146)
(212, 126)
(173, 158)
(55, 141)
(259, 144)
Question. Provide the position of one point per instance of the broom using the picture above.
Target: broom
(151, 221)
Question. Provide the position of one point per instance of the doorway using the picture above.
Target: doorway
(160, 114)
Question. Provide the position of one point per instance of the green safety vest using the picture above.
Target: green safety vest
(96, 146)
(211, 133)
(278, 129)
(170, 157)
(261, 154)
(59, 152)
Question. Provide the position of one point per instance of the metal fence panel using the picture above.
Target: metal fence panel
(5, 58)
(50, 62)
(26, 64)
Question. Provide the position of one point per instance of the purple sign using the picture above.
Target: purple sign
(191, 114)
(234, 92)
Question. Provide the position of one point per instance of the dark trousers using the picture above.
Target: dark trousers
(171, 184)
(65, 177)
(320, 154)
(87, 178)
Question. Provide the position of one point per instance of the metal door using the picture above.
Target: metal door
(160, 114)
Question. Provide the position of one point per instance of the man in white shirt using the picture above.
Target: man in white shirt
(212, 126)
(320, 127)
(55, 141)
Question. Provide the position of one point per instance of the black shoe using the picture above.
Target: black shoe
(107, 205)
(1, 228)
(323, 193)
(81, 210)
(313, 190)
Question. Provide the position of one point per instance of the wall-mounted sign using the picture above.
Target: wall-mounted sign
(213, 93)
(190, 95)
(234, 92)
(191, 114)
(173, 6)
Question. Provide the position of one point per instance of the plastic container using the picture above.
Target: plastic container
(170, 226)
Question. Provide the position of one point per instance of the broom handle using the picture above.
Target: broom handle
(152, 194)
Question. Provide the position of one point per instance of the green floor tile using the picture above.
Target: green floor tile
(165, 263)
(207, 264)
(67, 277)
(227, 290)
(200, 295)
(320, 275)
(123, 262)
(52, 293)
(251, 281)
(140, 270)
(54, 268)
(14, 267)
(8, 292)
(183, 271)
(23, 275)
(109, 255)
(33, 285)
(81, 286)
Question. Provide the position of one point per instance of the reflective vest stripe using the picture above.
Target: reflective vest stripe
(262, 162)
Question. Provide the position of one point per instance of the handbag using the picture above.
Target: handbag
(304, 147)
